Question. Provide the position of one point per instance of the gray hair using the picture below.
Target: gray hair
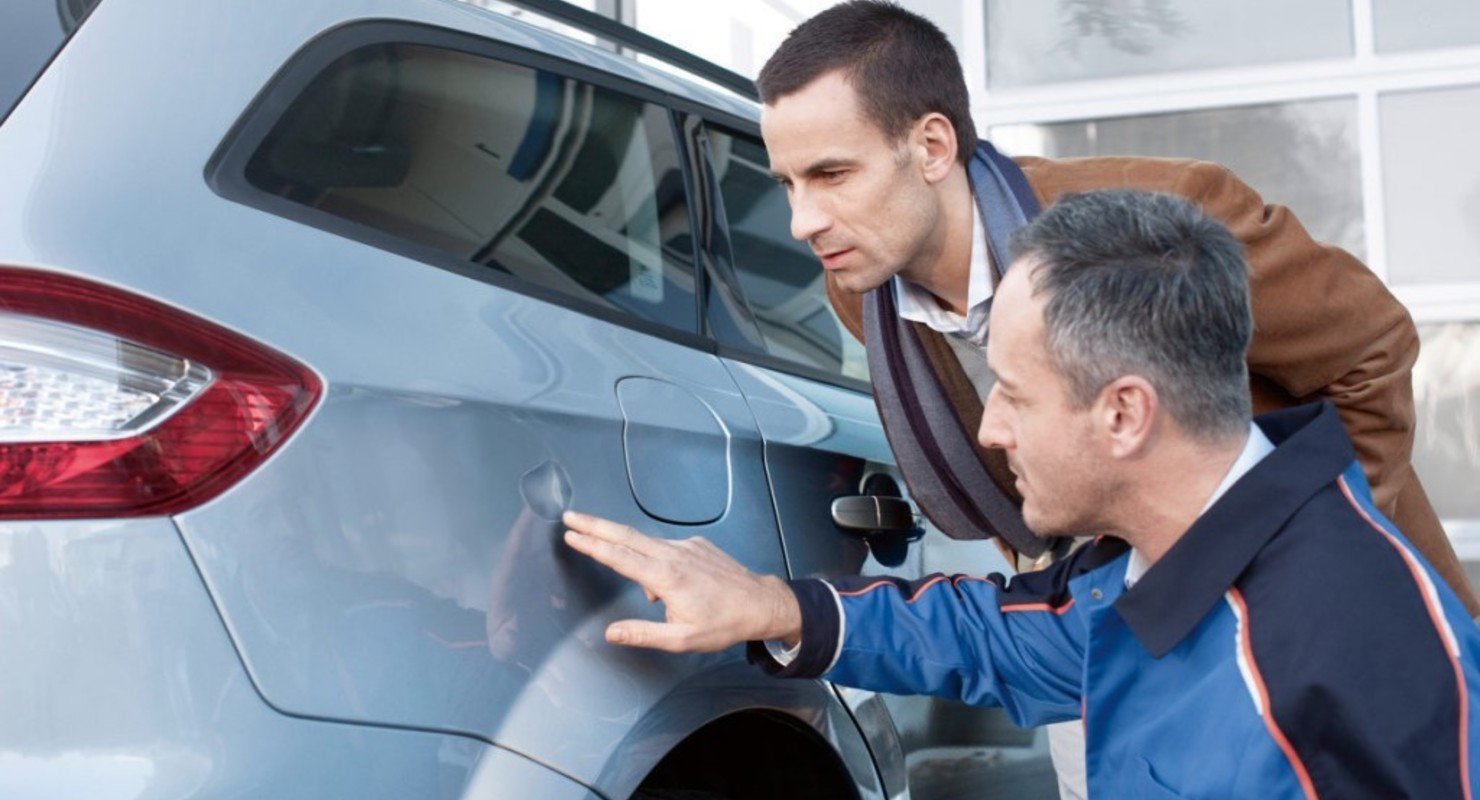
(1146, 284)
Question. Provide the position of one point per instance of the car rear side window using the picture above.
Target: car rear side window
(32, 32)
(568, 186)
(780, 278)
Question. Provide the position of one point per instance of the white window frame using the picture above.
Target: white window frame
(1363, 76)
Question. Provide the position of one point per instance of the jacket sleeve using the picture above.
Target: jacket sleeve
(984, 641)
(1326, 328)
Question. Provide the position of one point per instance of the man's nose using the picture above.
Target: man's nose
(808, 217)
(994, 432)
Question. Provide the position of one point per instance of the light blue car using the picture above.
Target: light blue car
(314, 315)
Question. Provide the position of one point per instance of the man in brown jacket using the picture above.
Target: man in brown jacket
(1326, 327)
(867, 125)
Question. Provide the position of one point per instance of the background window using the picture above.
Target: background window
(1431, 184)
(565, 185)
(1048, 41)
(1412, 24)
(1446, 391)
(1302, 155)
(780, 277)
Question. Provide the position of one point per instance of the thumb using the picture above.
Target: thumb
(654, 635)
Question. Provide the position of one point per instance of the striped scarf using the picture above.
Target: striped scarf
(930, 421)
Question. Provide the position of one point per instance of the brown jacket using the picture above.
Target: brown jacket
(1325, 328)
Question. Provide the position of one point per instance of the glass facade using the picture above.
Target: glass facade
(1431, 184)
(1034, 42)
(1406, 25)
(1364, 130)
(1315, 169)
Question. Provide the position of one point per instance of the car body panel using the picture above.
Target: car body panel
(120, 682)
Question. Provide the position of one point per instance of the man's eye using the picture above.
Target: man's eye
(834, 175)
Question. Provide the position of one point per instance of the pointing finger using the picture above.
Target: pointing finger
(625, 562)
(665, 636)
(613, 532)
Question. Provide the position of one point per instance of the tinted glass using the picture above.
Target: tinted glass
(1048, 41)
(564, 185)
(31, 31)
(1431, 185)
(1413, 24)
(780, 277)
(1301, 155)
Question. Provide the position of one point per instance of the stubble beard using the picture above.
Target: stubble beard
(862, 281)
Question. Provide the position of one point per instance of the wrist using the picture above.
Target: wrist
(785, 623)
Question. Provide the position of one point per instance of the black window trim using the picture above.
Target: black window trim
(695, 200)
(712, 243)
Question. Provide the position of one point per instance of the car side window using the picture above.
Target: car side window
(780, 278)
(567, 186)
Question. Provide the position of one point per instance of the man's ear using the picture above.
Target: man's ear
(1127, 410)
(934, 135)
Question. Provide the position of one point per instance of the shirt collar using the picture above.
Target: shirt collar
(1256, 447)
(1167, 603)
(917, 304)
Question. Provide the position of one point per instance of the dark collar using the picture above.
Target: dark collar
(1311, 450)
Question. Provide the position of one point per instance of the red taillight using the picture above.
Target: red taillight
(114, 405)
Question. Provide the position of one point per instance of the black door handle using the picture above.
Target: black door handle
(869, 514)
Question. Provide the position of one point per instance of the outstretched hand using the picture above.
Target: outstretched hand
(710, 601)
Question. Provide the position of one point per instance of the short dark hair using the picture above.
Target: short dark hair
(1146, 284)
(900, 64)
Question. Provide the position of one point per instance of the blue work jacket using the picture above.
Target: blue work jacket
(1291, 644)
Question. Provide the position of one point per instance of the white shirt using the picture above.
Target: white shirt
(1255, 449)
(917, 304)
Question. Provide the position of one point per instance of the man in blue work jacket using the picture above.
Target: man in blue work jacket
(1208, 640)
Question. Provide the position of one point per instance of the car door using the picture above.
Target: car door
(806, 380)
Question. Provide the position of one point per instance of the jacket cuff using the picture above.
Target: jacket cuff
(822, 633)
